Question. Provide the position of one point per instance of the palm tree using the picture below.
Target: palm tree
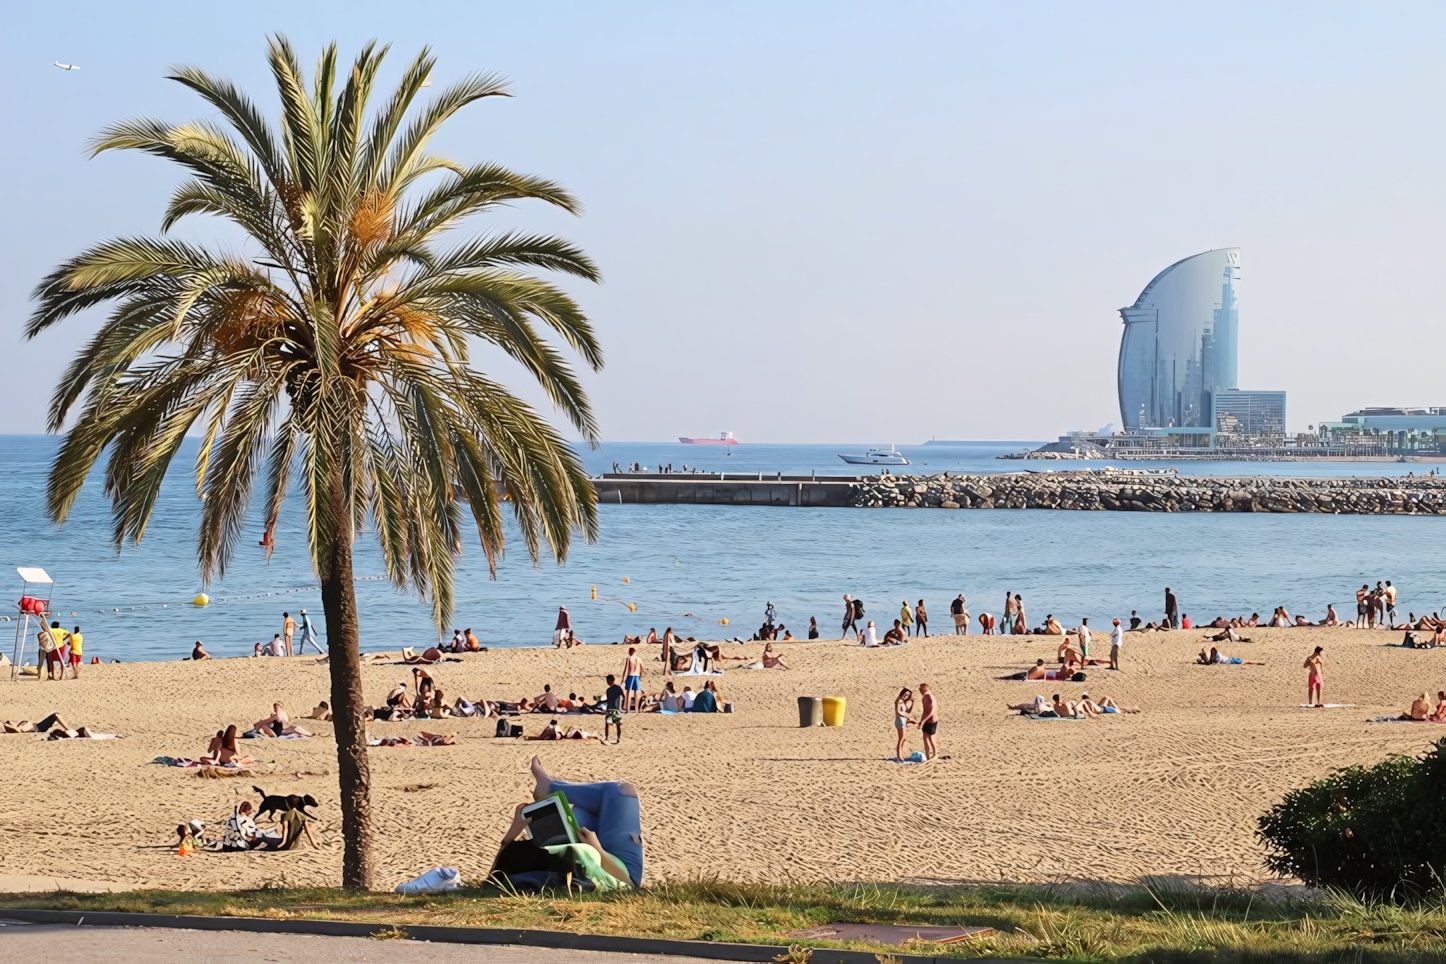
(336, 351)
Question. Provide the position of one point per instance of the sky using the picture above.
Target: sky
(844, 222)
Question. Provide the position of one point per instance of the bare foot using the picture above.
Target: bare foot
(544, 782)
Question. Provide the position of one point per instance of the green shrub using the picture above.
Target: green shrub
(1377, 832)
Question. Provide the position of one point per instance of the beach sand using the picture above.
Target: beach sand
(747, 796)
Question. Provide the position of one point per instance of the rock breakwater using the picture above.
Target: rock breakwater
(1142, 492)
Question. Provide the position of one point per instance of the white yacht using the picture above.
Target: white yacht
(888, 456)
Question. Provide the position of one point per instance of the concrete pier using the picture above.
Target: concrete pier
(726, 488)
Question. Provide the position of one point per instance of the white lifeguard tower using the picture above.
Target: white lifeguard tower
(40, 579)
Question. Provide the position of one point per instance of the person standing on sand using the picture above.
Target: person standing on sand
(906, 616)
(632, 683)
(959, 609)
(308, 635)
(928, 720)
(613, 707)
(1117, 637)
(986, 623)
(288, 629)
(1313, 690)
(1172, 610)
(1021, 622)
(1390, 604)
(76, 641)
(903, 710)
(921, 620)
(849, 620)
(1084, 640)
(1006, 624)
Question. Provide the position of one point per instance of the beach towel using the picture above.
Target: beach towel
(1036, 716)
(1327, 706)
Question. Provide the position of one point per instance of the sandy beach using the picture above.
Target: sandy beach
(749, 796)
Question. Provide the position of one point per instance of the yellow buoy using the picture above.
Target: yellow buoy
(632, 607)
(594, 592)
(723, 621)
(626, 581)
(201, 600)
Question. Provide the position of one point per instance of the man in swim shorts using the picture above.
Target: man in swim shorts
(1313, 693)
(928, 720)
(633, 681)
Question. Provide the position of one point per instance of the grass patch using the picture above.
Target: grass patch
(1144, 924)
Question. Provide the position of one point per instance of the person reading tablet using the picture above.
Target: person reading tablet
(597, 834)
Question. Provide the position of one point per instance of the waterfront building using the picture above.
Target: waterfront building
(1394, 429)
(1237, 412)
(1181, 343)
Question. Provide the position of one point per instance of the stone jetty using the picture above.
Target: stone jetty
(1136, 491)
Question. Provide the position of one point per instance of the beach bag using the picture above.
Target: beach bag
(502, 727)
(1078, 677)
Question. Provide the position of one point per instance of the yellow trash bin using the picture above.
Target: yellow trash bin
(833, 711)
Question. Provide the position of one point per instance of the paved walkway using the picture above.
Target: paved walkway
(37, 943)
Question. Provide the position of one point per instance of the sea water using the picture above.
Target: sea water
(690, 567)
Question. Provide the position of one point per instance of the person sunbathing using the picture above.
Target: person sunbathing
(1254, 620)
(25, 726)
(1037, 671)
(224, 751)
(1104, 704)
(275, 724)
(1218, 623)
(551, 732)
(1068, 651)
(321, 712)
(769, 660)
(1229, 635)
(1302, 621)
(1331, 619)
(1063, 708)
(667, 700)
(434, 739)
(474, 645)
(1439, 716)
(895, 636)
(429, 655)
(545, 702)
(1039, 706)
(1217, 658)
(1420, 711)
(1052, 626)
(274, 648)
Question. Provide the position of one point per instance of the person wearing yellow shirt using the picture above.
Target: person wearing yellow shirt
(76, 641)
(52, 640)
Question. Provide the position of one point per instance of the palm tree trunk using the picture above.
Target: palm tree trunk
(338, 600)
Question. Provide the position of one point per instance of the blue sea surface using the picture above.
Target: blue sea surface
(691, 566)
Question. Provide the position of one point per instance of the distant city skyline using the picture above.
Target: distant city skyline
(845, 222)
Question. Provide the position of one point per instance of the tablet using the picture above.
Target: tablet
(552, 821)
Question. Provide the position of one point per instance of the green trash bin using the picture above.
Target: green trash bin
(810, 711)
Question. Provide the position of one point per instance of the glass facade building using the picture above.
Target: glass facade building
(1181, 343)
(1257, 413)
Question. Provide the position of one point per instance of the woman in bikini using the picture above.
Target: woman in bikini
(903, 710)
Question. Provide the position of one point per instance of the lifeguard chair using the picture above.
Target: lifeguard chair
(31, 605)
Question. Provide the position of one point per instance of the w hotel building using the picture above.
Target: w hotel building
(1178, 357)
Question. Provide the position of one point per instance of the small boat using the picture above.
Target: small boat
(724, 438)
(888, 456)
